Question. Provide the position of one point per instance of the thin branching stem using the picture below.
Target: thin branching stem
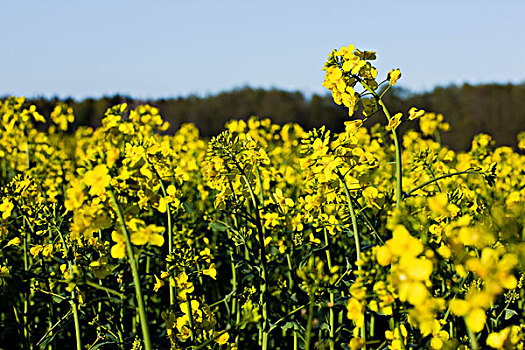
(73, 301)
(135, 273)
(353, 216)
(399, 165)
(426, 183)
(169, 229)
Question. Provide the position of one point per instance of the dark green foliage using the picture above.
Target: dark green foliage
(496, 109)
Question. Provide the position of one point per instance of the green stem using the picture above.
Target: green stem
(310, 321)
(461, 282)
(106, 289)
(372, 326)
(472, 337)
(501, 313)
(262, 256)
(385, 91)
(77, 322)
(234, 282)
(50, 346)
(332, 298)
(26, 268)
(27, 263)
(120, 326)
(399, 169)
(235, 303)
(73, 301)
(286, 316)
(353, 216)
(356, 236)
(259, 181)
(215, 336)
(190, 318)
(401, 337)
(289, 272)
(135, 273)
(99, 304)
(369, 223)
(170, 231)
(51, 329)
(440, 178)
(431, 172)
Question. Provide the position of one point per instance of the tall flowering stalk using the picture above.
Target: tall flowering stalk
(135, 273)
(346, 68)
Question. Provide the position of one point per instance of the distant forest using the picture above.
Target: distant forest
(498, 110)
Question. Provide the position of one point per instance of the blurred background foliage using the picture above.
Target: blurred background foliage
(496, 109)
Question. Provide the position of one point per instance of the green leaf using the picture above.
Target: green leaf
(100, 344)
(325, 326)
(43, 345)
(219, 227)
(509, 313)
(287, 326)
(56, 299)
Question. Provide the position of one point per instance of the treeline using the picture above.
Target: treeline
(498, 110)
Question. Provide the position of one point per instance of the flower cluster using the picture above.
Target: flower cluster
(266, 235)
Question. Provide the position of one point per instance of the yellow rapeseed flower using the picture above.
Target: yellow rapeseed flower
(355, 311)
(184, 286)
(74, 195)
(475, 319)
(393, 76)
(158, 284)
(394, 122)
(141, 234)
(97, 179)
(222, 338)
(6, 208)
(14, 241)
(414, 113)
(402, 243)
(118, 251)
(383, 255)
(211, 271)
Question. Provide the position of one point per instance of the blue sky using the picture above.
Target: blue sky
(152, 49)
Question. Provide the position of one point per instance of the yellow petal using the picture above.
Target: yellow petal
(459, 307)
(383, 255)
(118, 251)
(475, 320)
(222, 339)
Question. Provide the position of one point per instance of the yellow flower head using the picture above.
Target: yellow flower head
(158, 284)
(97, 179)
(118, 251)
(402, 243)
(6, 207)
(394, 121)
(142, 234)
(393, 76)
(221, 338)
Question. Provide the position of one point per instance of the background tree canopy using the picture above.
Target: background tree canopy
(496, 109)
